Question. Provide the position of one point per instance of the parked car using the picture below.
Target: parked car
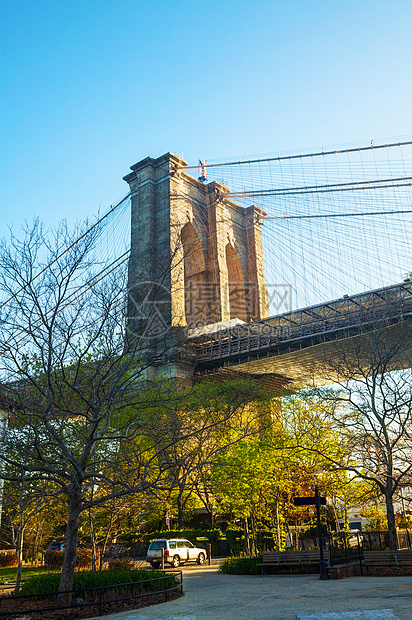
(56, 546)
(176, 551)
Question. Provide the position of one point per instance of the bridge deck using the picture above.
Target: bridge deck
(350, 315)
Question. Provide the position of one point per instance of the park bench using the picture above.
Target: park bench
(401, 557)
(288, 558)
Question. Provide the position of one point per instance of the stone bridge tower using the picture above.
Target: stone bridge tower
(196, 257)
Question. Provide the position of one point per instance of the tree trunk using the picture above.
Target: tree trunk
(254, 538)
(277, 526)
(390, 515)
(36, 544)
(179, 512)
(247, 541)
(19, 556)
(20, 540)
(70, 554)
(335, 514)
(92, 540)
(106, 539)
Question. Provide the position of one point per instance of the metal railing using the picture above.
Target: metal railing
(93, 597)
(379, 540)
(345, 549)
(348, 547)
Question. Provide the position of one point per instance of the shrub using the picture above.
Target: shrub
(46, 584)
(246, 565)
(54, 559)
(120, 564)
(84, 558)
(235, 536)
(8, 558)
(236, 539)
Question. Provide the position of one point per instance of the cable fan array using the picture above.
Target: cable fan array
(109, 257)
(338, 220)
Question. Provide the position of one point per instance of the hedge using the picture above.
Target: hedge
(54, 559)
(8, 558)
(46, 584)
(246, 565)
(235, 536)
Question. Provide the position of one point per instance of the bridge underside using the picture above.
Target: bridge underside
(316, 361)
(314, 345)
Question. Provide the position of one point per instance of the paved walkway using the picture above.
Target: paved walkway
(212, 596)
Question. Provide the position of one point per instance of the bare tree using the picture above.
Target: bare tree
(63, 366)
(373, 409)
(81, 410)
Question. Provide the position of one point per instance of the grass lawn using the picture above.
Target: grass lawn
(8, 575)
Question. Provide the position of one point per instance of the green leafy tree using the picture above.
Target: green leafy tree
(372, 409)
(210, 416)
(258, 478)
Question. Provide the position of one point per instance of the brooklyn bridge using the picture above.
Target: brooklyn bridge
(260, 266)
(201, 267)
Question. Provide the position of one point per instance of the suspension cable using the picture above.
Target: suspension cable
(358, 149)
(72, 245)
(350, 185)
(319, 215)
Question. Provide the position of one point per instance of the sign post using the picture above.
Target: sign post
(317, 501)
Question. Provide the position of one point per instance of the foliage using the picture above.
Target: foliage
(257, 478)
(120, 564)
(373, 409)
(54, 559)
(245, 565)
(82, 421)
(211, 415)
(405, 522)
(8, 559)
(376, 516)
(47, 584)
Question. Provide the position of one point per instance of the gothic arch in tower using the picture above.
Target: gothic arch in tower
(195, 281)
(236, 284)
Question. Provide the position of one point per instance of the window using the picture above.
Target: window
(157, 544)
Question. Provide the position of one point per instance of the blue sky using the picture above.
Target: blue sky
(90, 87)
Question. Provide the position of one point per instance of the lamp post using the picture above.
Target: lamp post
(323, 572)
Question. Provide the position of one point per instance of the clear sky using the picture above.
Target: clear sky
(89, 87)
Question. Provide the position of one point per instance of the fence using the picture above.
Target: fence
(379, 540)
(167, 584)
(345, 548)
(348, 547)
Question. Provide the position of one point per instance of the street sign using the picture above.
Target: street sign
(318, 501)
(309, 501)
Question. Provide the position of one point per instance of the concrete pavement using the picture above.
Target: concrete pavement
(210, 595)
